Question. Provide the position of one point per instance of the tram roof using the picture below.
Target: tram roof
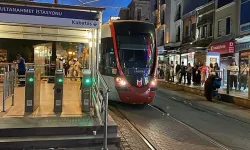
(49, 5)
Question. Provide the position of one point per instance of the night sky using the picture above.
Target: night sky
(107, 13)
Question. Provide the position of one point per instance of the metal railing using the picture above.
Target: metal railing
(8, 87)
(100, 101)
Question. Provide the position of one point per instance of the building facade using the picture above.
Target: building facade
(140, 10)
(124, 14)
(174, 29)
(186, 30)
(193, 48)
(243, 39)
(226, 29)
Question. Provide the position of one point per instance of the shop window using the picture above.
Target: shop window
(228, 25)
(199, 32)
(204, 31)
(138, 14)
(210, 30)
(178, 36)
(178, 13)
(193, 31)
(162, 38)
(219, 28)
(107, 64)
(162, 17)
(186, 31)
(189, 28)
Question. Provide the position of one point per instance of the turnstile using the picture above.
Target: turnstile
(58, 90)
(86, 84)
(31, 103)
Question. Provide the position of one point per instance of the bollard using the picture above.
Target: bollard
(228, 81)
(58, 90)
(29, 90)
(86, 84)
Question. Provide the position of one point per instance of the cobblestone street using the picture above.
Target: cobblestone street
(130, 140)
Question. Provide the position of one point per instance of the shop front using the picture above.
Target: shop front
(243, 51)
(226, 51)
(194, 58)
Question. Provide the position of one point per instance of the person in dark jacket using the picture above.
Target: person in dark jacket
(21, 69)
(183, 73)
(211, 85)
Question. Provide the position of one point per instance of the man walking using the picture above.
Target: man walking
(21, 69)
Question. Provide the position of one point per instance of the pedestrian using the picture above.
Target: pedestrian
(204, 70)
(172, 71)
(177, 71)
(182, 73)
(217, 69)
(211, 85)
(243, 76)
(211, 69)
(66, 68)
(194, 74)
(21, 69)
(161, 74)
(158, 73)
(189, 73)
(234, 70)
(168, 67)
(71, 68)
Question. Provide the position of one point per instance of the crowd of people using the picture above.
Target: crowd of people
(199, 73)
(72, 68)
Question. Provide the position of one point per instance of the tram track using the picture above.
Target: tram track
(194, 130)
(150, 143)
(133, 127)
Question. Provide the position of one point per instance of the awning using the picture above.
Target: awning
(223, 39)
(197, 45)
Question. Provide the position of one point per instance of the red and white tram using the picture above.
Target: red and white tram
(128, 60)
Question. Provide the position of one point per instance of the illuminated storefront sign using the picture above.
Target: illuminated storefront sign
(223, 48)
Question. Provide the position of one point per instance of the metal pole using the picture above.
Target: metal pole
(12, 87)
(228, 81)
(105, 140)
(4, 91)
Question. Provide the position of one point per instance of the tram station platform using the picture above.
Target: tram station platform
(237, 98)
(45, 129)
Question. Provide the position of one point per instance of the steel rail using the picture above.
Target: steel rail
(136, 129)
(196, 131)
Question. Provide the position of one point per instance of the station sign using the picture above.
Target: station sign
(48, 16)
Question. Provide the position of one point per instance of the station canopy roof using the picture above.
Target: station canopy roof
(78, 7)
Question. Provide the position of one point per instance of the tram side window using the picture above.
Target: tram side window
(108, 62)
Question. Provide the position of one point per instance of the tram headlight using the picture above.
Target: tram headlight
(153, 82)
(121, 81)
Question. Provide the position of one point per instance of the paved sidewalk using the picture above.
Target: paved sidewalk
(222, 90)
(221, 108)
(237, 97)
